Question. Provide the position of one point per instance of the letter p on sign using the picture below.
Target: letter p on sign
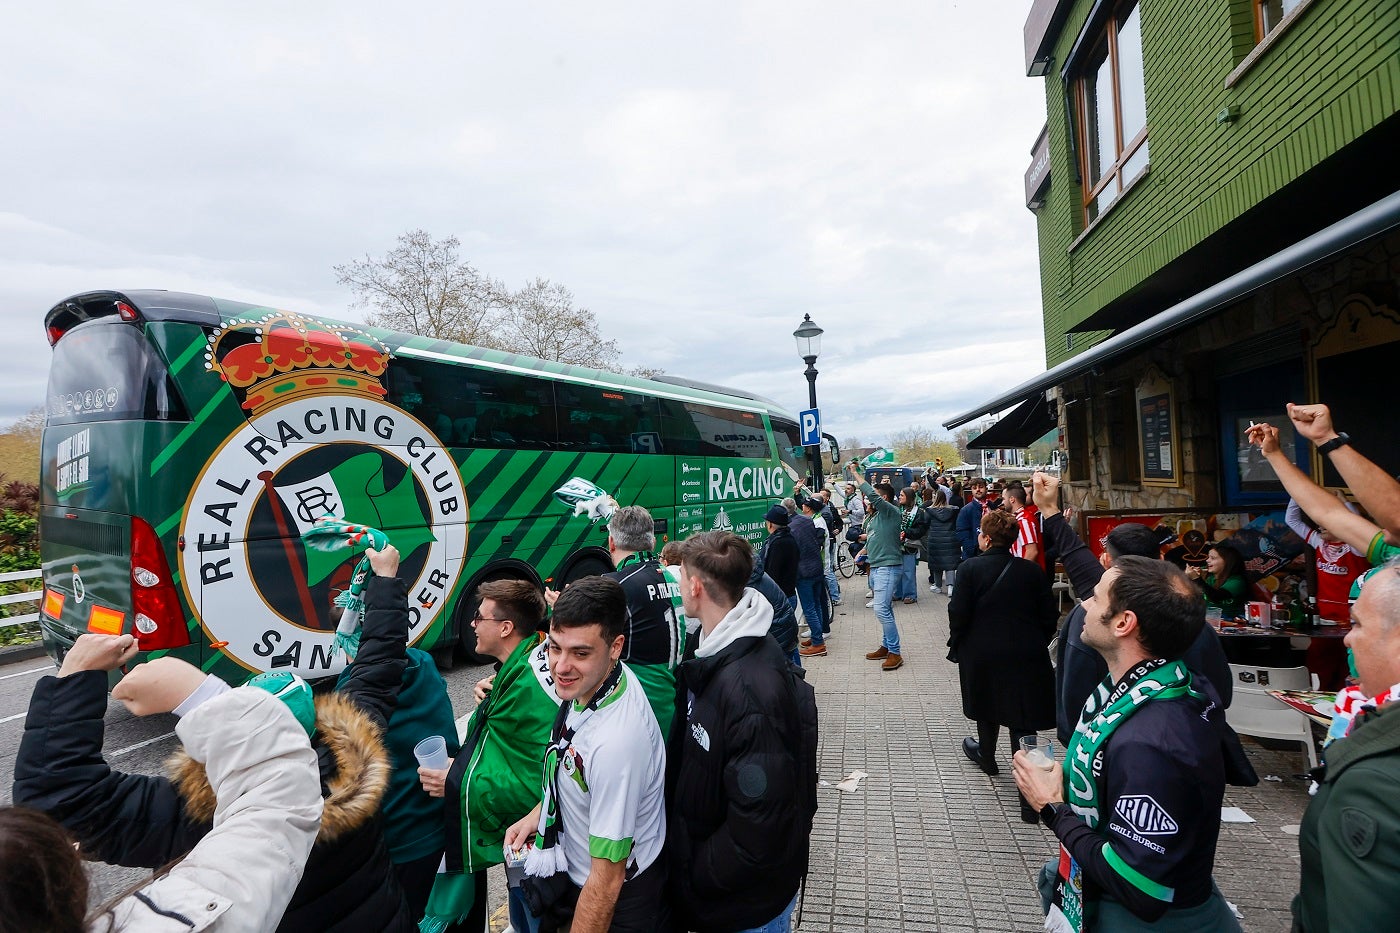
(810, 424)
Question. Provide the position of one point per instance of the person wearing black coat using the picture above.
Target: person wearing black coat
(783, 628)
(1001, 619)
(1079, 668)
(738, 820)
(944, 551)
(779, 553)
(146, 821)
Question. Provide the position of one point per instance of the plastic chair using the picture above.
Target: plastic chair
(1254, 712)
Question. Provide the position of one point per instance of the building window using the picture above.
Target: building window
(1268, 14)
(1113, 112)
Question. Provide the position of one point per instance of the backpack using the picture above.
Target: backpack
(834, 524)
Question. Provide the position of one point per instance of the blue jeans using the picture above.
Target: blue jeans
(779, 924)
(812, 592)
(833, 585)
(795, 657)
(908, 587)
(883, 581)
(521, 920)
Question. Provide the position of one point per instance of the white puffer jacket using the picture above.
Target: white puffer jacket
(240, 877)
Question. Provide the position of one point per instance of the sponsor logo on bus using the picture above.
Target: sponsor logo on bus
(746, 483)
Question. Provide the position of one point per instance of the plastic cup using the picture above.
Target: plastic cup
(432, 753)
(1040, 751)
(1214, 615)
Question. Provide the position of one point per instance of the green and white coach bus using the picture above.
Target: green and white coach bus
(190, 440)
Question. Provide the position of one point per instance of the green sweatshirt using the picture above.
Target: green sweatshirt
(881, 529)
(502, 780)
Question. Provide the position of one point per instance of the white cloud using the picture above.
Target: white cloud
(699, 177)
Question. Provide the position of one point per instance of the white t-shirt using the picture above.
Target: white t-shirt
(612, 783)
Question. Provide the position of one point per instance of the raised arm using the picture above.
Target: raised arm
(1081, 565)
(1377, 491)
(134, 820)
(1320, 504)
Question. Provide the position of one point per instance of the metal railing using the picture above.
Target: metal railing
(33, 596)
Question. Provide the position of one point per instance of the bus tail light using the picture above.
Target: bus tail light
(155, 606)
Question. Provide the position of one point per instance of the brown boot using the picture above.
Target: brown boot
(813, 651)
(879, 654)
(892, 662)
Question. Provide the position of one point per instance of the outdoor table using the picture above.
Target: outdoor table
(1237, 630)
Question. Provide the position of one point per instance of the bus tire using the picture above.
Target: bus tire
(587, 563)
(470, 602)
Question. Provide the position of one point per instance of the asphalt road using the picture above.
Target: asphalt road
(141, 745)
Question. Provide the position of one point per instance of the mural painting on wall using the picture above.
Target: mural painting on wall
(1274, 557)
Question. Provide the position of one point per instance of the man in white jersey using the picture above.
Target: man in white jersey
(604, 813)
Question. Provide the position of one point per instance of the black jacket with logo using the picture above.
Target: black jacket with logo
(1160, 790)
(735, 837)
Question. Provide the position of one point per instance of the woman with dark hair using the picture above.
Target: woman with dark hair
(1222, 580)
(1001, 618)
(941, 543)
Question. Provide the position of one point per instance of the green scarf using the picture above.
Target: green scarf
(1108, 708)
(329, 533)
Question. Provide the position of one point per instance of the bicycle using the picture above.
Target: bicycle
(845, 563)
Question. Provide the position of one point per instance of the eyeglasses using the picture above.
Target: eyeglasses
(476, 619)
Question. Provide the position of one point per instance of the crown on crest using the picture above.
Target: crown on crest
(284, 355)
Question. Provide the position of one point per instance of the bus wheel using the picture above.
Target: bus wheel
(587, 566)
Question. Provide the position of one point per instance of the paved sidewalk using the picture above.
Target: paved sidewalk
(929, 843)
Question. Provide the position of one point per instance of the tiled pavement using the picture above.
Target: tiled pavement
(929, 843)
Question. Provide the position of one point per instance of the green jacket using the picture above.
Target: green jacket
(1350, 837)
(500, 781)
(881, 529)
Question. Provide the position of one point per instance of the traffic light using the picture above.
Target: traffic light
(938, 463)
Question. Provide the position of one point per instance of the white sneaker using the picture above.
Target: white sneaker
(870, 605)
(869, 594)
(932, 588)
(950, 591)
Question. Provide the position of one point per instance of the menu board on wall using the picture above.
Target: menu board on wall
(1156, 431)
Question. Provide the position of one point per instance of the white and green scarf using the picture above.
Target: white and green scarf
(1108, 708)
(329, 533)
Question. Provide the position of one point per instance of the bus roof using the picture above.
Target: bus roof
(162, 305)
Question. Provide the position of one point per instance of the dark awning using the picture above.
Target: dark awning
(1027, 424)
(1370, 221)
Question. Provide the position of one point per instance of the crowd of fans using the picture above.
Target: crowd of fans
(644, 756)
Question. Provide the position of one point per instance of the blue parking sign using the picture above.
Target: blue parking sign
(810, 425)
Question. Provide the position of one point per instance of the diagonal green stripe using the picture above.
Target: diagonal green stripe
(189, 353)
(189, 431)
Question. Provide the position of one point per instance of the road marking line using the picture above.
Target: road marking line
(132, 748)
(15, 716)
(32, 670)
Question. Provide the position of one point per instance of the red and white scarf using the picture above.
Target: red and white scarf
(1351, 702)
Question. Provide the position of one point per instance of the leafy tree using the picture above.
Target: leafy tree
(423, 286)
(919, 445)
(541, 320)
(19, 550)
(19, 447)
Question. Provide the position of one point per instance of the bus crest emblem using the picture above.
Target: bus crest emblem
(320, 439)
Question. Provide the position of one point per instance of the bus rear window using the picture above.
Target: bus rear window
(106, 371)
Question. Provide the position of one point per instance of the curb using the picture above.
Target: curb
(21, 653)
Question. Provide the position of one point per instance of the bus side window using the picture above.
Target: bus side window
(471, 407)
(602, 419)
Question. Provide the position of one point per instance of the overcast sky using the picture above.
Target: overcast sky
(699, 177)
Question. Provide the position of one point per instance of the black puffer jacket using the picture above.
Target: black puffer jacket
(145, 821)
(736, 840)
(944, 551)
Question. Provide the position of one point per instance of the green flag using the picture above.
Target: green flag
(355, 492)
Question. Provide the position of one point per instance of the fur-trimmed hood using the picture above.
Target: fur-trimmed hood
(353, 776)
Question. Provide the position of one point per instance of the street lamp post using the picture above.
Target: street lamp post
(809, 344)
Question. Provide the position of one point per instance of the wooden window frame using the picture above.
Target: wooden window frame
(1125, 150)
